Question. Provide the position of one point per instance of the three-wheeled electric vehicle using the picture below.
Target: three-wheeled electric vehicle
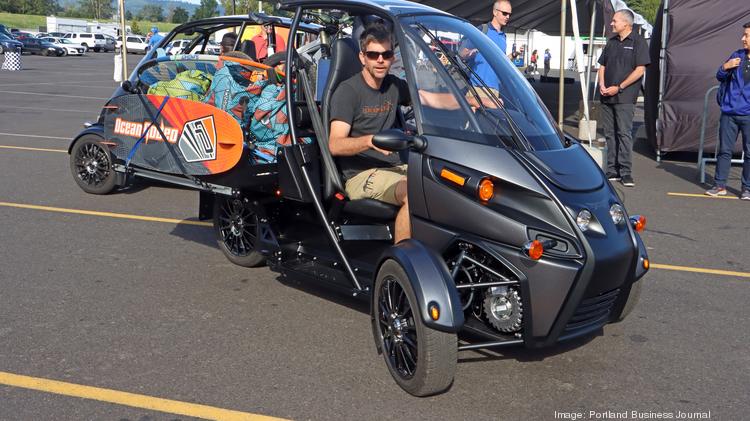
(517, 236)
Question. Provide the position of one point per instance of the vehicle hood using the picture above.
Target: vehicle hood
(570, 169)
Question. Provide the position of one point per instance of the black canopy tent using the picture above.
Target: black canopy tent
(689, 48)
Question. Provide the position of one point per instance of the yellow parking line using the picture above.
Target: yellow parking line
(702, 196)
(208, 224)
(33, 149)
(128, 399)
(107, 214)
(701, 270)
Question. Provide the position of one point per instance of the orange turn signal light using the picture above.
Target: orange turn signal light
(639, 222)
(452, 177)
(646, 264)
(486, 190)
(534, 249)
(434, 311)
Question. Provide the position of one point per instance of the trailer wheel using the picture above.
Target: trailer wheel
(633, 298)
(236, 225)
(421, 360)
(91, 165)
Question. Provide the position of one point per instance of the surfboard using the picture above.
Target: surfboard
(172, 135)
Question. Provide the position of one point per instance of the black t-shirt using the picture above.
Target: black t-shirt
(746, 69)
(620, 59)
(368, 111)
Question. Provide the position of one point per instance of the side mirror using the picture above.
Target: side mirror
(396, 140)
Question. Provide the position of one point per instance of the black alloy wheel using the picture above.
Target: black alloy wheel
(420, 359)
(91, 165)
(236, 227)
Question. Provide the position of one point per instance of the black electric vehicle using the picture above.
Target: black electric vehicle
(518, 239)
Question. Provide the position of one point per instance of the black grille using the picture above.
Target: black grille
(592, 313)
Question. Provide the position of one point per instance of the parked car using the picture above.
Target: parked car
(134, 44)
(107, 42)
(8, 44)
(22, 35)
(56, 34)
(67, 45)
(41, 47)
(178, 47)
(87, 39)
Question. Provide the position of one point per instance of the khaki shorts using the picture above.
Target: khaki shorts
(376, 183)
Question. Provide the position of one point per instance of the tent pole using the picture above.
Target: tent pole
(591, 50)
(580, 64)
(662, 73)
(561, 89)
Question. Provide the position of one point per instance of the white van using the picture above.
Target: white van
(88, 40)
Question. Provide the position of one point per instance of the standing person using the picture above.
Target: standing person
(547, 60)
(263, 48)
(155, 38)
(531, 69)
(734, 99)
(501, 12)
(623, 63)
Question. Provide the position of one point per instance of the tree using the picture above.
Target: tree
(645, 8)
(97, 9)
(180, 15)
(134, 27)
(152, 12)
(29, 7)
(245, 6)
(206, 9)
(128, 15)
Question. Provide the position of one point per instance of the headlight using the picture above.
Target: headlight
(617, 214)
(583, 219)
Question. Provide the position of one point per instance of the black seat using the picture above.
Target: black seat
(248, 47)
(344, 64)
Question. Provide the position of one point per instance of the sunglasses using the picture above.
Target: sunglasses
(504, 13)
(373, 55)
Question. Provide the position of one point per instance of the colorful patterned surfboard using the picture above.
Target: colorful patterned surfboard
(188, 137)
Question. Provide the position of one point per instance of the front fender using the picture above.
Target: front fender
(431, 281)
(95, 129)
(640, 270)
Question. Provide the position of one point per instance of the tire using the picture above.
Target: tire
(633, 298)
(402, 334)
(91, 165)
(235, 226)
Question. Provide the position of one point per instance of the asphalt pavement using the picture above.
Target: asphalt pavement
(151, 311)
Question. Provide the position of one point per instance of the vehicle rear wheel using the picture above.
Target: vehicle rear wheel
(421, 360)
(91, 165)
(633, 298)
(236, 225)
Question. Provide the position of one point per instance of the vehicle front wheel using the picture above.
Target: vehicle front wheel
(236, 226)
(91, 165)
(421, 360)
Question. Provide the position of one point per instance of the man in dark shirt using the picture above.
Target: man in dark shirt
(623, 63)
(361, 107)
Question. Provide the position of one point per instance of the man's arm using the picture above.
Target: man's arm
(603, 90)
(633, 77)
(341, 144)
(726, 69)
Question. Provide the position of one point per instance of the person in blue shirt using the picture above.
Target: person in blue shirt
(155, 37)
(734, 99)
(501, 12)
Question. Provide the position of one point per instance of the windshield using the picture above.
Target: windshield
(498, 106)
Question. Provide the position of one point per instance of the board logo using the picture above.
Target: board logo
(198, 140)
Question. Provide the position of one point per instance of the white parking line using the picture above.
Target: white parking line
(49, 109)
(60, 95)
(87, 85)
(33, 135)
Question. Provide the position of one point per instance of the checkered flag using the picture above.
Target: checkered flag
(12, 60)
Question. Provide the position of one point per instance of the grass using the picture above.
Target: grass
(33, 22)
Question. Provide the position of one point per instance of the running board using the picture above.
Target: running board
(173, 179)
(364, 232)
